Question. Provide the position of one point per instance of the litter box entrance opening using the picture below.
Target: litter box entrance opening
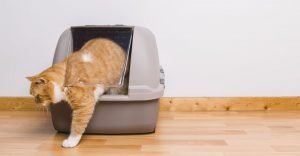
(121, 35)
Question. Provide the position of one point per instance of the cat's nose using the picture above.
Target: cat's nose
(37, 99)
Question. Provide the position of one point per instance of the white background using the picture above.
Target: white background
(207, 47)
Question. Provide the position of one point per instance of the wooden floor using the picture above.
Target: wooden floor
(200, 133)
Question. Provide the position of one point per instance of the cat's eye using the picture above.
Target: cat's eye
(39, 82)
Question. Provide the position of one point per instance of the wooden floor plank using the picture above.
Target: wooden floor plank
(178, 133)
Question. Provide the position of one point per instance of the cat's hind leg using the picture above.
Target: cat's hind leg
(82, 100)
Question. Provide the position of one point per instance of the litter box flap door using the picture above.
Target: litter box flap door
(100, 56)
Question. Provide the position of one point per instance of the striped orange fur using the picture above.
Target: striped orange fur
(80, 79)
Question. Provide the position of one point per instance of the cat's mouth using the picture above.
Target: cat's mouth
(39, 101)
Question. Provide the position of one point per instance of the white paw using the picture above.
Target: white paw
(71, 142)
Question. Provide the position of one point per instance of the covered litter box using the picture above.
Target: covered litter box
(132, 112)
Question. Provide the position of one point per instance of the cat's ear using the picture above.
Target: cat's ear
(40, 80)
(37, 79)
(31, 78)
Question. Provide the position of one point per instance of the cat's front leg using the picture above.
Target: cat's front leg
(82, 101)
(80, 119)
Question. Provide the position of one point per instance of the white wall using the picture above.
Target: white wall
(207, 47)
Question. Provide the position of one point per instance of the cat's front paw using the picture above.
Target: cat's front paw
(69, 143)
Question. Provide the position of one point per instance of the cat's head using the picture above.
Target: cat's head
(42, 89)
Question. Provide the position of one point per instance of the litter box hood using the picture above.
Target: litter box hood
(144, 76)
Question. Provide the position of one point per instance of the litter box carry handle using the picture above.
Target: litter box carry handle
(162, 76)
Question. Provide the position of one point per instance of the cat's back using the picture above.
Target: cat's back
(103, 53)
(100, 60)
(99, 42)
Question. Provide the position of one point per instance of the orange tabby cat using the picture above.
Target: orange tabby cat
(80, 80)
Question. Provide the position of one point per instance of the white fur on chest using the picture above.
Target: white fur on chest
(58, 94)
(87, 57)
